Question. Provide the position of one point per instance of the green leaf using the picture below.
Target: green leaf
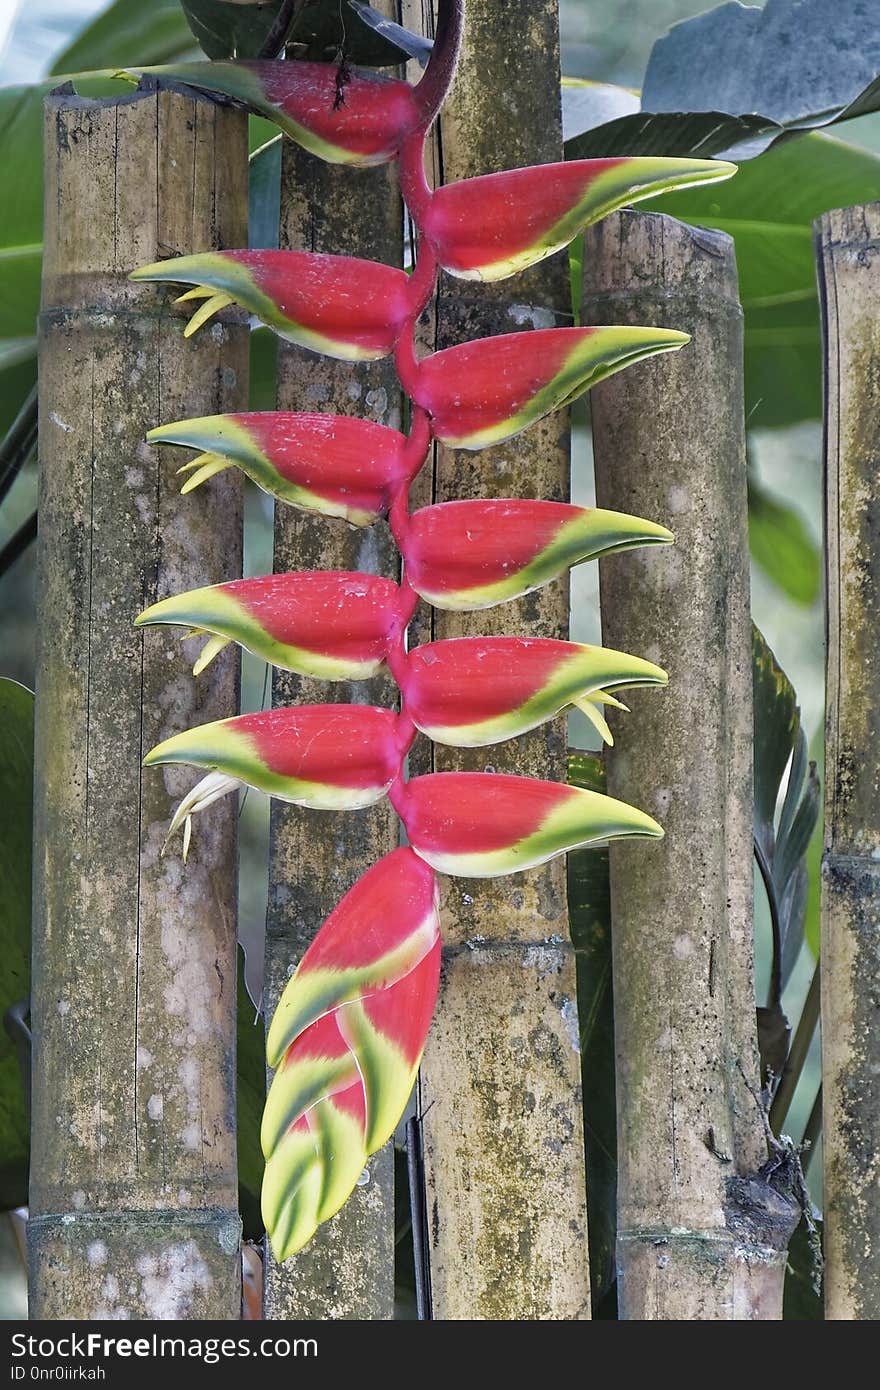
(800, 63)
(16, 811)
(320, 30)
(589, 908)
(769, 209)
(781, 544)
(781, 841)
(412, 45)
(251, 1096)
(18, 376)
(587, 104)
(801, 1303)
(264, 195)
(129, 31)
(703, 134)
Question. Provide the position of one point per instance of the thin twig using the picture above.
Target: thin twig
(415, 1169)
(774, 994)
(797, 1056)
(18, 544)
(812, 1131)
(19, 443)
(284, 22)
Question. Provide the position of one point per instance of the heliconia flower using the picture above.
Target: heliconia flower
(488, 390)
(473, 691)
(336, 305)
(333, 464)
(330, 757)
(474, 554)
(485, 824)
(331, 624)
(367, 127)
(494, 226)
(347, 1038)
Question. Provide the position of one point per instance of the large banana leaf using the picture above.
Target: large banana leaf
(128, 31)
(321, 29)
(769, 209)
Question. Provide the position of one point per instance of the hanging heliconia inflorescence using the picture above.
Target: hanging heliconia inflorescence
(350, 1029)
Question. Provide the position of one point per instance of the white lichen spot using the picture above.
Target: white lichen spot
(64, 1007)
(143, 1057)
(110, 1287)
(569, 1014)
(171, 1281)
(678, 500)
(192, 1137)
(62, 424)
(377, 401)
(662, 799)
(682, 947)
(667, 1040)
(79, 1199)
(96, 1253)
(543, 959)
(353, 391)
(184, 1197)
(155, 1107)
(532, 315)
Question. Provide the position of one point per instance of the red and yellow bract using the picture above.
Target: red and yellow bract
(346, 1039)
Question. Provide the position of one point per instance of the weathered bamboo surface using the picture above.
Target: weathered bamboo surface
(699, 1235)
(133, 1186)
(347, 1270)
(500, 1083)
(848, 252)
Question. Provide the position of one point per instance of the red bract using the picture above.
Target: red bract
(336, 305)
(486, 391)
(483, 824)
(473, 691)
(463, 555)
(330, 757)
(494, 226)
(324, 463)
(332, 624)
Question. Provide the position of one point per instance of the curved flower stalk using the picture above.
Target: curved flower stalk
(350, 1029)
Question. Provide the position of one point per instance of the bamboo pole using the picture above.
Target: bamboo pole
(500, 1082)
(700, 1235)
(347, 1270)
(133, 1174)
(848, 253)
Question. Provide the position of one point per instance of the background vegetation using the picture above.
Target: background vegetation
(768, 208)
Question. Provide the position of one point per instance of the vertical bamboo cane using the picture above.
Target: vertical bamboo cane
(700, 1235)
(848, 250)
(347, 1271)
(133, 1187)
(500, 1083)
